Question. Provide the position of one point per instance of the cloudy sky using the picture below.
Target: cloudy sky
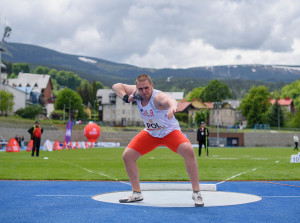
(161, 33)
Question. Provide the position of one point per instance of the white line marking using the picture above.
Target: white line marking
(94, 172)
(62, 195)
(282, 196)
(277, 161)
(237, 175)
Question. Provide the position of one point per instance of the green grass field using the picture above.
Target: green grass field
(159, 165)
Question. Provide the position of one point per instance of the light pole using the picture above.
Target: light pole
(95, 110)
(7, 31)
(70, 108)
(64, 112)
(278, 117)
(217, 106)
(10, 103)
(8, 107)
(100, 109)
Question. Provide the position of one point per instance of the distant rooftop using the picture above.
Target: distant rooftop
(39, 81)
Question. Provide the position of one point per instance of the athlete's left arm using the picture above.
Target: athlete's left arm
(163, 101)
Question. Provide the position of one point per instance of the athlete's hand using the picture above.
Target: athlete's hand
(134, 96)
(172, 112)
(131, 98)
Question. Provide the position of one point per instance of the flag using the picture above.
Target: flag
(68, 131)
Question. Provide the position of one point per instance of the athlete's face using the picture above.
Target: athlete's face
(145, 89)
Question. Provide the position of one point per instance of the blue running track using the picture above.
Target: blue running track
(70, 201)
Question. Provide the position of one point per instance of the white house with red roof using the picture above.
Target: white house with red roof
(286, 103)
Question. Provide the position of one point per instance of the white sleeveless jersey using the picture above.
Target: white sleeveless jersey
(156, 121)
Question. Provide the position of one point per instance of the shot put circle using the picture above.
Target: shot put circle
(180, 198)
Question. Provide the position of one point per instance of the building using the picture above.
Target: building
(225, 114)
(20, 97)
(190, 108)
(286, 103)
(37, 88)
(178, 96)
(114, 111)
(40, 83)
(220, 113)
(3, 75)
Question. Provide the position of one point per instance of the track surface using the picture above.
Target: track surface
(71, 201)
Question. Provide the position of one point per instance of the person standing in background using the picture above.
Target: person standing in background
(22, 142)
(202, 135)
(2, 144)
(36, 135)
(296, 140)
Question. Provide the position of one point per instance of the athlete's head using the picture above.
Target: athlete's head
(143, 77)
(144, 85)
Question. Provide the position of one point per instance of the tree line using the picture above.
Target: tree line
(255, 105)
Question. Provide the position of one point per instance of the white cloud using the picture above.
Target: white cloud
(171, 33)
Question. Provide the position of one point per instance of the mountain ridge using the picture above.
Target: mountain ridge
(108, 72)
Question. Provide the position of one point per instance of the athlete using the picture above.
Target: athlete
(157, 110)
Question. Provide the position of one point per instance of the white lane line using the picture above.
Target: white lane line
(62, 195)
(283, 196)
(95, 172)
(237, 175)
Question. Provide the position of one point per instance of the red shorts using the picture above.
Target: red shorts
(144, 142)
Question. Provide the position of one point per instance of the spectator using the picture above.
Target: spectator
(202, 135)
(296, 140)
(36, 135)
(22, 142)
(2, 144)
(16, 138)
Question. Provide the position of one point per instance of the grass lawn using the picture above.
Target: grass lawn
(159, 165)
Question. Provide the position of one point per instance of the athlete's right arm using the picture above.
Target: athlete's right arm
(123, 89)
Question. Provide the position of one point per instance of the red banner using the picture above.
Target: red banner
(13, 146)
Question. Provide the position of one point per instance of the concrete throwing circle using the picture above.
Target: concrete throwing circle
(180, 198)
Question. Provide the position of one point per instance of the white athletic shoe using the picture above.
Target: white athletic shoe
(135, 196)
(198, 199)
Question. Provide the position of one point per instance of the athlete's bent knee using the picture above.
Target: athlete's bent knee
(130, 155)
(186, 150)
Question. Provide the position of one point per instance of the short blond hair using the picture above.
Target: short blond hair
(143, 77)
